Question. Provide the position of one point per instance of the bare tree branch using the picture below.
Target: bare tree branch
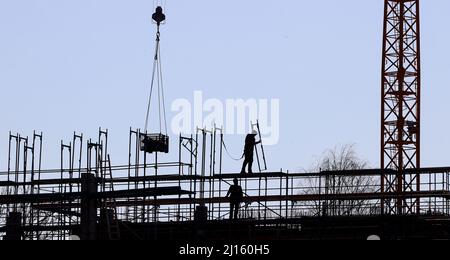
(341, 158)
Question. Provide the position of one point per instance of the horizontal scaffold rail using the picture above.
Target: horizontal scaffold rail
(274, 198)
(293, 198)
(70, 196)
(227, 176)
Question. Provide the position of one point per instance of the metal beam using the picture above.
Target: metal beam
(61, 197)
(275, 198)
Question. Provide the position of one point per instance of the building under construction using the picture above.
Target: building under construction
(90, 198)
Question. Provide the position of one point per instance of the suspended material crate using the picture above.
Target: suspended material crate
(151, 143)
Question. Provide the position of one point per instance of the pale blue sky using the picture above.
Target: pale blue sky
(69, 65)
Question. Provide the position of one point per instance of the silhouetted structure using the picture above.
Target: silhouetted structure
(91, 198)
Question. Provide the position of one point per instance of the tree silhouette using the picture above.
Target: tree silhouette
(332, 162)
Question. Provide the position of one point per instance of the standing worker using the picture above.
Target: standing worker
(250, 143)
(235, 193)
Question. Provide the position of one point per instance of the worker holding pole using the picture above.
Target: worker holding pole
(250, 143)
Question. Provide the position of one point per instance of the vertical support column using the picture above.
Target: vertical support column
(11, 188)
(14, 230)
(136, 171)
(155, 198)
(35, 214)
(129, 171)
(191, 172)
(287, 195)
(400, 104)
(133, 171)
(447, 188)
(88, 207)
(77, 143)
(145, 208)
(180, 173)
(213, 168)
(203, 168)
(220, 169)
(259, 197)
(195, 171)
(63, 187)
(27, 220)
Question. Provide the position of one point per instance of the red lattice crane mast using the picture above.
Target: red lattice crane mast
(401, 86)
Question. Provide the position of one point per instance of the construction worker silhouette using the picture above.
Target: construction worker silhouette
(250, 143)
(235, 193)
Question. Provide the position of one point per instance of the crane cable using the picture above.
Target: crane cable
(158, 77)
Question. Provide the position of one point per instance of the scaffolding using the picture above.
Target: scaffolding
(91, 198)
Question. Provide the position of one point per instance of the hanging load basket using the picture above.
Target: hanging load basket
(151, 143)
(154, 143)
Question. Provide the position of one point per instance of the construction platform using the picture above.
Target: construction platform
(90, 198)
